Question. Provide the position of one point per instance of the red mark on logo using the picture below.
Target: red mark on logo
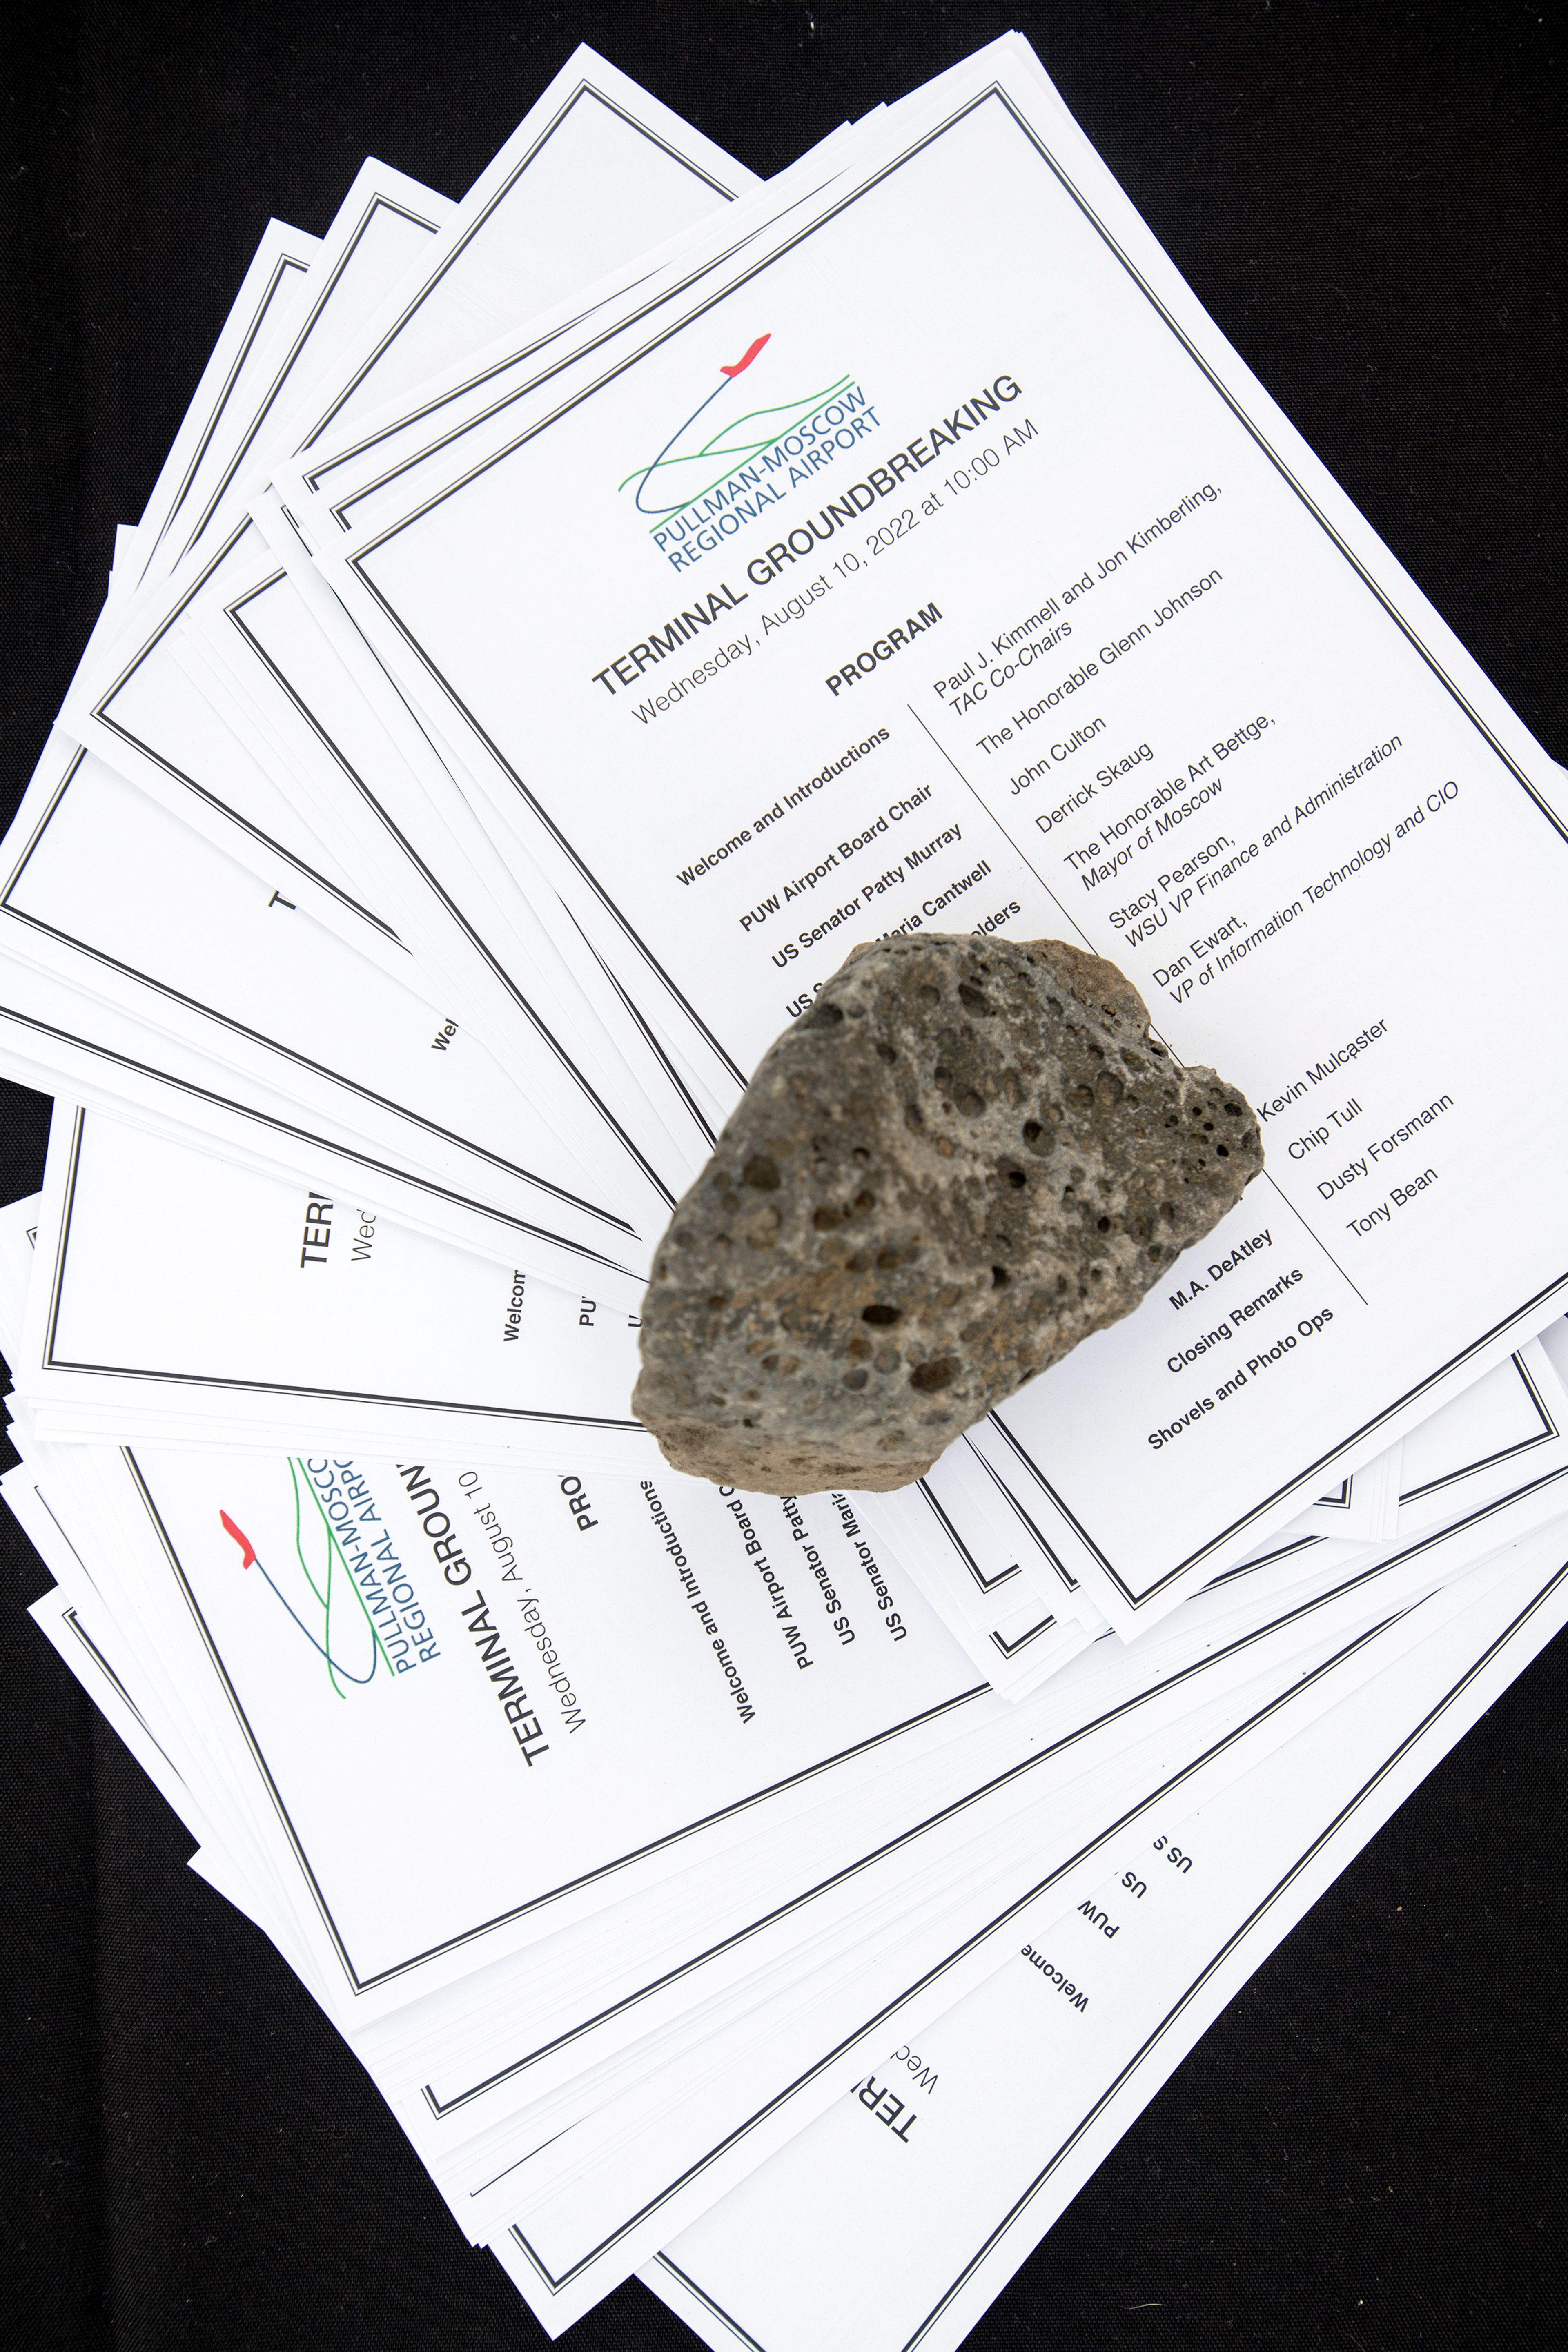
(741, 365)
(246, 1546)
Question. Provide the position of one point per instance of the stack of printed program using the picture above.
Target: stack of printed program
(568, 620)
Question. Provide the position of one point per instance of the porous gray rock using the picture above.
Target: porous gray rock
(965, 1158)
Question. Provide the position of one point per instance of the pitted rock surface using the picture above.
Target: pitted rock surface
(965, 1158)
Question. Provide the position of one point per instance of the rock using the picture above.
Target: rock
(965, 1158)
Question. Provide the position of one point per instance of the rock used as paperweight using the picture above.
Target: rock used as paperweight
(967, 1156)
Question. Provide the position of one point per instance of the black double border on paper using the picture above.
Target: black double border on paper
(1291, 1612)
(53, 1360)
(238, 613)
(286, 264)
(358, 1983)
(1546, 1429)
(1167, 2024)
(103, 709)
(1542, 1436)
(584, 90)
(1015, 1773)
(377, 203)
(556, 2280)
(51, 1035)
(290, 1054)
(986, 1585)
(1536, 1306)
(314, 475)
(103, 713)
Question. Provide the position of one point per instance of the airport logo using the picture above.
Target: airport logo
(728, 462)
(331, 1568)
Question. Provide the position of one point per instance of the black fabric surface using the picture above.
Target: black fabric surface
(1368, 2151)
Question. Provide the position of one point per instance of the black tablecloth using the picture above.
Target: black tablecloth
(1368, 2151)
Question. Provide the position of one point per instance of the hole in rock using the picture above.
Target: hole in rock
(881, 1315)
